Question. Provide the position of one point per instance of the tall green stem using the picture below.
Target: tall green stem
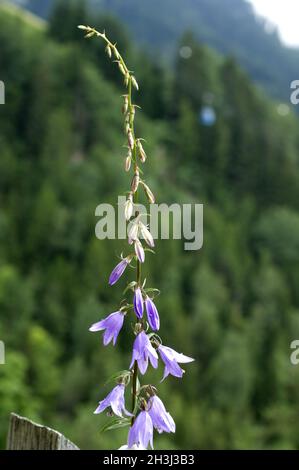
(138, 268)
(129, 81)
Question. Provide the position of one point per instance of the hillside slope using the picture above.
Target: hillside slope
(230, 26)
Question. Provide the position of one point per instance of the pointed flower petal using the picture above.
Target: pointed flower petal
(161, 419)
(116, 401)
(112, 326)
(143, 351)
(146, 235)
(141, 433)
(118, 271)
(152, 314)
(171, 359)
(138, 302)
(139, 251)
(133, 231)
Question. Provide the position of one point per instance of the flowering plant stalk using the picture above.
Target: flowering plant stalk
(147, 410)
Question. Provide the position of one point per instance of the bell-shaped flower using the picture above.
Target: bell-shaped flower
(171, 359)
(116, 401)
(112, 326)
(141, 433)
(146, 235)
(161, 419)
(143, 351)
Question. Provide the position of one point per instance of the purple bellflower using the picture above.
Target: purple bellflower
(139, 250)
(161, 419)
(118, 271)
(171, 358)
(144, 351)
(112, 324)
(141, 433)
(152, 314)
(116, 400)
(146, 348)
(138, 302)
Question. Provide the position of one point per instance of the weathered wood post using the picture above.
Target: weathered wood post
(24, 434)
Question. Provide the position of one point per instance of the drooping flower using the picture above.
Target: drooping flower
(139, 250)
(162, 420)
(152, 314)
(112, 324)
(142, 352)
(129, 207)
(116, 400)
(128, 162)
(141, 152)
(135, 182)
(141, 433)
(146, 235)
(133, 231)
(171, 358)
(138, 302)
(149, 194)
(119, 270)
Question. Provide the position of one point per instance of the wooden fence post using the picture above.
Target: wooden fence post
(24, 434)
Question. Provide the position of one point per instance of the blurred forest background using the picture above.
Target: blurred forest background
(213, 138)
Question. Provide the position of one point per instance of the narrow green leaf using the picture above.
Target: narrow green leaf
(115, 423)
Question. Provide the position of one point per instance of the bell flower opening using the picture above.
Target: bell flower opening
(171, 360)
(112, 326)
(141, 433)
(162, 420)
(116, 401)
(143, 351)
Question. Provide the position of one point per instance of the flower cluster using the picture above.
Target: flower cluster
(148, 411)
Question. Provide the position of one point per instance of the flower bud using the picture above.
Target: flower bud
(126, 104)
(132, 112)
(116, 53)
(135, 182)
(134, 82)
(108, 51)
(89, 35)
(133, 232)
(141, 152)
(131, 140)
(126, 127)
(121, 68)
(126, 80)
(148, 193)
(139, 250)
(128, 162)
(129, 207)
(146, 235)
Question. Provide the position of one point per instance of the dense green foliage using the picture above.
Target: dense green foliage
(234, 305)
(229, 26)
